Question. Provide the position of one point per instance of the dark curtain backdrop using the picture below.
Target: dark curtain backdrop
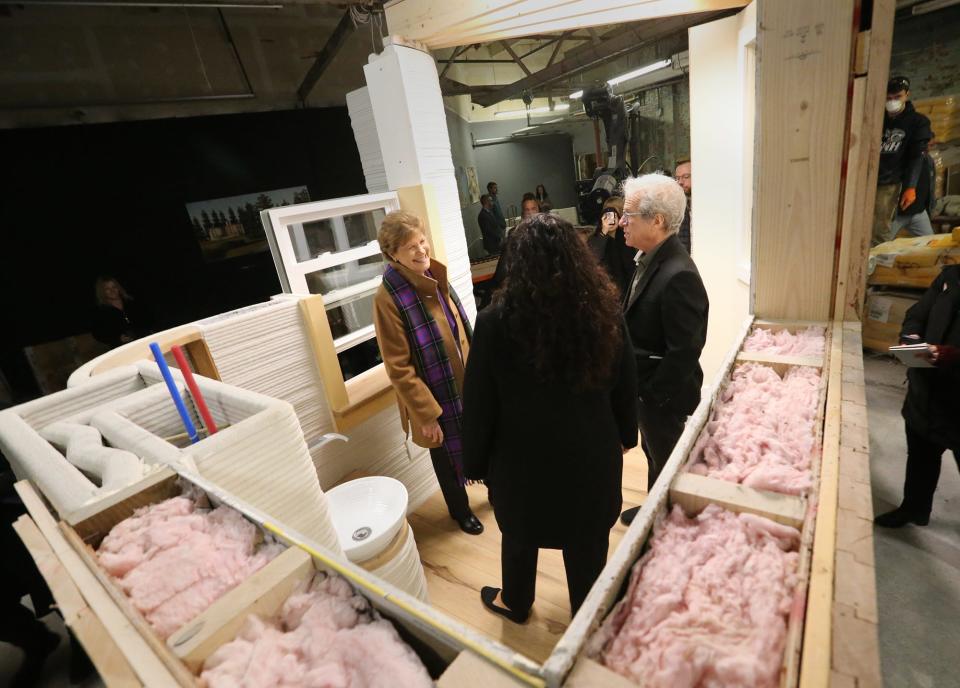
(80, 201)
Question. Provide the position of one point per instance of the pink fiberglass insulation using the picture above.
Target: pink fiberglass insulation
(809, 342)
(761, 433)
(707, 605)
(174, 560)
(324, 635)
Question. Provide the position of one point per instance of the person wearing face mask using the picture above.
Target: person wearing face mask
(906, 134)
(424, 337)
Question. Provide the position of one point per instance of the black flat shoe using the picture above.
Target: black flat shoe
(900, 517)
(488, 595)
(626, 518)
(470, 525)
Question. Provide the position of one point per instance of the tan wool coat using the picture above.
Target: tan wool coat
(417, 405)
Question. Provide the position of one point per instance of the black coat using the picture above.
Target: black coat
(551, 457)
(667, 321)
(905, 139)
(932, 406)
(618, 260)
(490, 230)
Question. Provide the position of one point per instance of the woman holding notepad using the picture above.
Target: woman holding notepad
(931, 411)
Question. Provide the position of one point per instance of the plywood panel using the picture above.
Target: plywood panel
(862, 169)
(443, 24)
(804, 53)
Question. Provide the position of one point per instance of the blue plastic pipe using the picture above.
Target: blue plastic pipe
(174, 392)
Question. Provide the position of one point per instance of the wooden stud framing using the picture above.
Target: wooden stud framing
(148, 668)
(815, 661)
(263, 594)
(694, 492)
(803, 55)
(110, 663)
(862, 167)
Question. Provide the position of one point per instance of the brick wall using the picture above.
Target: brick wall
(926, 48)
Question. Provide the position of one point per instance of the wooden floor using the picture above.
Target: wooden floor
(458, 565)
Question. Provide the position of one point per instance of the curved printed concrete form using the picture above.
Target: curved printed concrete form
(34, 459)
(84, 448)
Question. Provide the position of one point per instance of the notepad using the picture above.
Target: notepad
(913, 355)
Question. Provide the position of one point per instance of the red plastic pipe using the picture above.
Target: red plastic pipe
(194, 390)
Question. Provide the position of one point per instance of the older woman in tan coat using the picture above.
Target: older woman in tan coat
(424, 337)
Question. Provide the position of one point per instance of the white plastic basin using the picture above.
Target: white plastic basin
(367, 514)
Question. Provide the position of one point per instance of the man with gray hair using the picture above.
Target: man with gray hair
(665, 307)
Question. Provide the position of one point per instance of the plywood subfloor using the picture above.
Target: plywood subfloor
(458, 565)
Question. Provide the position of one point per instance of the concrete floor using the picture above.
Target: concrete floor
(918, 569)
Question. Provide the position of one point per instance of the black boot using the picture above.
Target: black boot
(900, 517)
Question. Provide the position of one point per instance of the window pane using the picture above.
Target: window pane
(334, 234)
(359, 358)
(346, 275)
(345, 318)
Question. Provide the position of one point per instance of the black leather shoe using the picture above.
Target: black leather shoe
(900, 517)
(470, 525)
(626, 518)
(488, 595)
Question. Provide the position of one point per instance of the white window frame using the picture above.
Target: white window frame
(293, 274)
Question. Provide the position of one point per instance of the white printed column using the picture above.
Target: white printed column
(404, 91)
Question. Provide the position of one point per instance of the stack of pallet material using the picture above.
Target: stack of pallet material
(898, 273)
(944, 114)
(265, 348)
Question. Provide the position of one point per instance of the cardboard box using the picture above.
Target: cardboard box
(883, 318)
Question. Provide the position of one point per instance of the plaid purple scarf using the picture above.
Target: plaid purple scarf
(431, 360)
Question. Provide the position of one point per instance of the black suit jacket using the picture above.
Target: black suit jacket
(491, 231)
(667, 321)
(932, 405)
(551, 456)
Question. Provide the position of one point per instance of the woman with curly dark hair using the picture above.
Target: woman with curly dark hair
(550, 405)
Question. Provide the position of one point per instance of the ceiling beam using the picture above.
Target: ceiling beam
(450, 87)
(556, 50)
(329, 51)
(580, 59)
(453, 56)
(506, 46)
(470, 60)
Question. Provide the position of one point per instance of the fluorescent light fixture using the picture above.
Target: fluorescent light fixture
(933, 6)
(532, 111)
(640, 72)
(635, 73)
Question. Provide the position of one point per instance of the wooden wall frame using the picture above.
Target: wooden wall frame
(356, 400)
(187, 336)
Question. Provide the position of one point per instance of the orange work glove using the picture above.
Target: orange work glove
(907, 198)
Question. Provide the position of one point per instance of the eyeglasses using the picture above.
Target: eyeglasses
(625, 218)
